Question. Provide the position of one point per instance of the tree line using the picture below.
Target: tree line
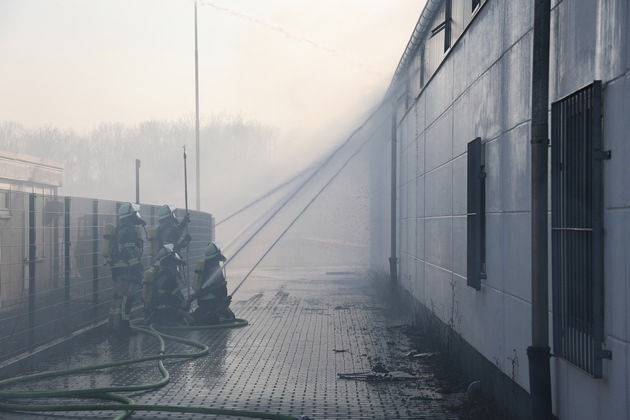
(100, 162)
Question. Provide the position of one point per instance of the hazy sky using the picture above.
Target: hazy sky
(304, 67)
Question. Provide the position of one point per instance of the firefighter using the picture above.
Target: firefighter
(164, 302)
(210, 289)
(170, 230)
(126, 265)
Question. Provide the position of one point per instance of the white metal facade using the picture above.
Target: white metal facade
(482, 88)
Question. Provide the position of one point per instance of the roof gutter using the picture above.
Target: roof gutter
(418, 34)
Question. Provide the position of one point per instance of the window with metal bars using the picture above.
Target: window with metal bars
(577, 229)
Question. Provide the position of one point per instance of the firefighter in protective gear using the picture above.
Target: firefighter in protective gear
(164, 302)
(126, 265)
(170, 230)
(210, 289)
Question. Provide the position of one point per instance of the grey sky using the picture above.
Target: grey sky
(304, 67)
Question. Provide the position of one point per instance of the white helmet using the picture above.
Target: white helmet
(212, 250)
(167, 255)
(165, 212)
(128, 210)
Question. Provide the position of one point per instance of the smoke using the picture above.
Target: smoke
(323, 216)
(318, 215)
(101, 163)
(301, 39)
(307, 76)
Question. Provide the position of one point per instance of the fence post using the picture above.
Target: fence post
(66, 248)
(55, 251)
(95, 256)
(31, 268)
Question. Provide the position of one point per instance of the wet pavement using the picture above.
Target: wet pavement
(319, 343)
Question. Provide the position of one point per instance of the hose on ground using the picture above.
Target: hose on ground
(112, 393)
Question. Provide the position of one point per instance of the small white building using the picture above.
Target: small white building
(462, 96)
(20, 176)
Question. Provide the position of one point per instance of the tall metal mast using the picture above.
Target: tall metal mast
(198, 198)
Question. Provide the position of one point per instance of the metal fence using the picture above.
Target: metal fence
(53, 277)
(577, 229)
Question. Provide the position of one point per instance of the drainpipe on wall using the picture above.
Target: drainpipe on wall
(539, 352)
(393, 261)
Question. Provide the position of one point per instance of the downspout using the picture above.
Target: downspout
(393, 261)
(539, 352)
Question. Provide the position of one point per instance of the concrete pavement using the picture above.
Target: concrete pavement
(306, 327)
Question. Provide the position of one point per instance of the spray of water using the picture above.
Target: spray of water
(350, 147)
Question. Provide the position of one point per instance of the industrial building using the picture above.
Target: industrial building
(498, 248)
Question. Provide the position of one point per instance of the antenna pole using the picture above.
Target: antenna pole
(186, 204)
(197, 115)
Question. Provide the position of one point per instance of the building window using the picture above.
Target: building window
(476, 215)
(5, 204)
(445, 25)
(4, 199)
(577, 229)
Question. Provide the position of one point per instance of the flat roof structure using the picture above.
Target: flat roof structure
(29, 169)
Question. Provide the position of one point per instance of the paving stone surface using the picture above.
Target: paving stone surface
(306, 327)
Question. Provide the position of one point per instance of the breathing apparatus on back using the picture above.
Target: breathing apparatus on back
(169, 260)
(129, 215)
(169, 230)
(166, 259)
(204, 279)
